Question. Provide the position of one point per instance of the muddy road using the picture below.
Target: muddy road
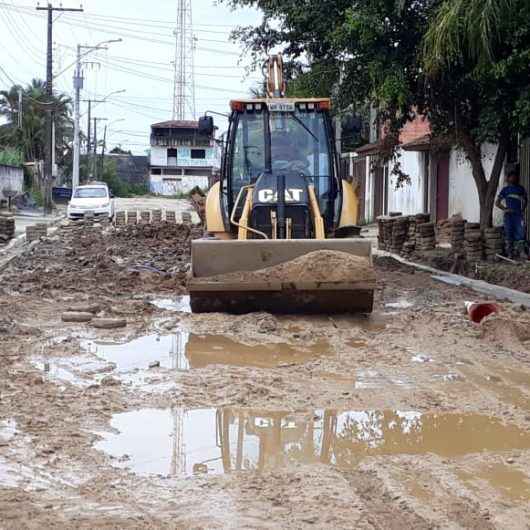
(412, 418)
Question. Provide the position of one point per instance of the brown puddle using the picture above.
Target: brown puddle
(182, 442)
(184, 351)
(510, 483)
(505, 390)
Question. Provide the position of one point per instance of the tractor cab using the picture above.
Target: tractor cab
(287, 144)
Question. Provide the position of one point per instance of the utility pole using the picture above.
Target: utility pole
(48, 158)
(102, 165)
(95, 152)
(20, 108)
(78, 86)
(89, 125)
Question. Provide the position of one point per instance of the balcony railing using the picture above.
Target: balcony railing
(179, 141)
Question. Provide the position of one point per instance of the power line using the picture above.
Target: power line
(123, 32)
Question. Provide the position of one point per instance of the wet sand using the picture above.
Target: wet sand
(411, 418)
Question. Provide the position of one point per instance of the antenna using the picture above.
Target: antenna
(184, 79)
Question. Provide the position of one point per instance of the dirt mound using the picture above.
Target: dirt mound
(320, 266)
(96, 259)
(157, 231)
(506, 331)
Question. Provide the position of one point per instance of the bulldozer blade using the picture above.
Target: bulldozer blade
(214, 258)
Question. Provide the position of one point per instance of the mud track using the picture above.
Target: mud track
(411, 418)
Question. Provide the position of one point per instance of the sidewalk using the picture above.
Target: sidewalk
(26, 218)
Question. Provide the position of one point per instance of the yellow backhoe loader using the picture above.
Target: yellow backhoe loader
(280, 197)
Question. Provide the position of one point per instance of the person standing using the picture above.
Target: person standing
(513, 200)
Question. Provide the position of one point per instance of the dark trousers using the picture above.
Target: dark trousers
(514, 229)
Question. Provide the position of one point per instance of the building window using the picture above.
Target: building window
(172, 157)
(156, 171)
(172, 171)
(198, 154)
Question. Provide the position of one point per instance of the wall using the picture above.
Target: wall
(369, 194)
(163, 185)
(11, 178)
(463, 195)
(409, 197)
(414, 129)
(159, 157)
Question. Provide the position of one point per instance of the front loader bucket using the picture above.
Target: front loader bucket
(240, 293)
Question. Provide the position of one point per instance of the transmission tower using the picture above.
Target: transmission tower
(184, 80)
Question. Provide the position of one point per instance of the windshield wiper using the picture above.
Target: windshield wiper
(305, 127)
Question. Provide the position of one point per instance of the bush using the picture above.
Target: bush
(11, 156)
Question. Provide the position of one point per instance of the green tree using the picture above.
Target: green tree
(29, 139)
(462, 63)
(476, 57)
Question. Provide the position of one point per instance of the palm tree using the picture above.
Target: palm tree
(470, 29)
(30, 138)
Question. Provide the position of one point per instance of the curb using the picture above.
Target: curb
(19, 244)
(496, 291)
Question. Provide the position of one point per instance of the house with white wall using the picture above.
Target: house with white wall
(181, 158)
(439, 177)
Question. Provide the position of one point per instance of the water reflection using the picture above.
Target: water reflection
(181, 442)
(183, 350)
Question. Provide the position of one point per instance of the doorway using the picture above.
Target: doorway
(442, 187)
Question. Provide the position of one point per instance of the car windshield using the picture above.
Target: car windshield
(90, 193)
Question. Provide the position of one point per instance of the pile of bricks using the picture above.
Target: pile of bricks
(473, 245)
(145, 217)
(132, 217)
(425, 236)
(186, 218)
(120, 218)
(458, 227)
(410, 242)
(384, 236)
(171, 216)
(493, 242)
(7, 228)
(36, 232)
(444, 230)
(400, 228)
(156, 216)
(409, 247)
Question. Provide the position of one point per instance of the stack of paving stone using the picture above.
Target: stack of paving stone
(171, 216)
(425, 236)
(493, 242)
(145, 217)
(458, 227)
(473, 245)
(7, 228)
(132, 217)
(385, 228)
(156, 216)
(409, 246)
(380, 234)
(444, 231)
(400, 228)
(421, 218)
(186, 218)
(121, 218)
(35, 232)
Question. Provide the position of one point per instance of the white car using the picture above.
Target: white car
(91, 200)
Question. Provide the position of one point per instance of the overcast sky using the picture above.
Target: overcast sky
(141, 64)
